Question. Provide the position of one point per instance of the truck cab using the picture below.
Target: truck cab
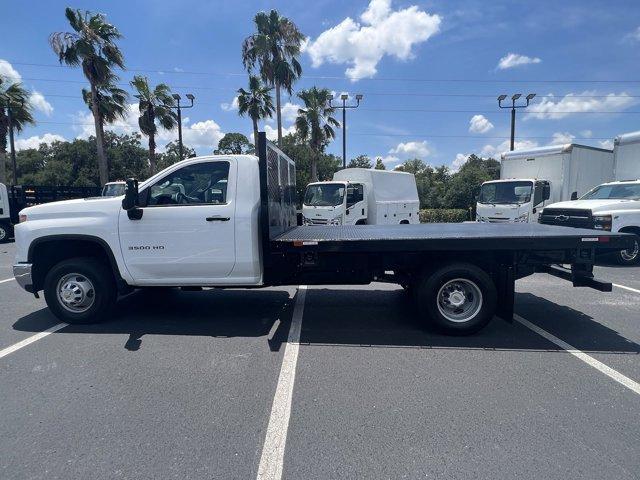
(334, 203)
(6, 228)
(512, 200)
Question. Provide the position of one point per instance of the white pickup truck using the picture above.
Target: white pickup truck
(229, 221)
(611, 207)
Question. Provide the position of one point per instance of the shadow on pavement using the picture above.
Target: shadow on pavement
(212, 313)
(383, 318)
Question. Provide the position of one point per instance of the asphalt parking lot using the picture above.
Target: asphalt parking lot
(214, 385)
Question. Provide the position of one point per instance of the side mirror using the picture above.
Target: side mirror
(130, 201)
(574, 196)
(547, 191)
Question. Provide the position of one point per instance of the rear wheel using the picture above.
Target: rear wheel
(630, 256)
(80, 290)
(459, 299)
(5, 232)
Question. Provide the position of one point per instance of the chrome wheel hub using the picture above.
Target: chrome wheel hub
(75, 293)
(459, 300)
(3, 233)
(632, 253)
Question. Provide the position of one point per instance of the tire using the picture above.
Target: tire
(5, 233)
(438, 294)
(629, 257)
(89, 287)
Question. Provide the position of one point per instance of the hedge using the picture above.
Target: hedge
(443, 215)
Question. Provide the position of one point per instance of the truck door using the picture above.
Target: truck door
(356, 211)
(186, 235)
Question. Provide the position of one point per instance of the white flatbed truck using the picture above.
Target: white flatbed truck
(230, 221)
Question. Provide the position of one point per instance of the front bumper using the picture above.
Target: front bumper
(22, 273)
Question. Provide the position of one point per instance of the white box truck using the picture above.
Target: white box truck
(531, 178)
(228, 221)
(612, 206)
(362, 196)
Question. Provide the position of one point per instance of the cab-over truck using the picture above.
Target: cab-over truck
(230, 222)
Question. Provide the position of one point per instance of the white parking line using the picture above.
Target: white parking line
(588, 359)
(6, 280)
(275, 440)
(627, 288)
(33, 338)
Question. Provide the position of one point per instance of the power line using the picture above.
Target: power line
(334, 77)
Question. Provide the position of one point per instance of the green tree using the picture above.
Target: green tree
(171, 154)
(112, 105)
(461, 190)
(256, 103)
(361, 161)
(380, 164)
(91, 45)
(155, 108)
(274, 49)
(12, 95)
(234, 144)
(314, 123)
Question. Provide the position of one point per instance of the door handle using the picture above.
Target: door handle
(217, 219)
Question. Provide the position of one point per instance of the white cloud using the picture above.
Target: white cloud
(290, 111)
(272, 132)
(562, 138)
(382, 32)
(588, 101)
(480, 124)
(202, 136)
(511, 60)
(459, 161)
(608, 144)
(390, 161)
(497, 150)
(40, 103)
(586, 133)
(35, 141)
(7, 70)
(228, 107)
(411, 150)
(635, 35)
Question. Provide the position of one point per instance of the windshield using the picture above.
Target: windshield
(606, 192)
(325, 195)
(113, 190)
(505, 192)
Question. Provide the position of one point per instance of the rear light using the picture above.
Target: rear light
(22, 218)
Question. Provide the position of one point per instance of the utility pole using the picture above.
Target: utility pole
(513, 107)
(12, 146)
(179, 108)
(344, 97)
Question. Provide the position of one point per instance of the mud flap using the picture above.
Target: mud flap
(505, 285)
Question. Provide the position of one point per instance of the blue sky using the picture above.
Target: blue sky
(429, 71)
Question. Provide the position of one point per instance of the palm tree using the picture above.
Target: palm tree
(314, 123)
(112, 104)
(256, 103)
(13, 95)
(91, 45)
(274, 48)
(154, 106)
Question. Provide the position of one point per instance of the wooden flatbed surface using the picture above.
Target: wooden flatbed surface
(454, 236)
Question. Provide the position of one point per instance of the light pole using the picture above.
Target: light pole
(179, 108)
(344, 97)
(513, 107)
(12, 146)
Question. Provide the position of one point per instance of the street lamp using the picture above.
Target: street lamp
(12, 146)
(513, 107)
(179, 108)
(344, 97)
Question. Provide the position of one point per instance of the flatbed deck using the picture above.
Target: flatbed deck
(449, 236)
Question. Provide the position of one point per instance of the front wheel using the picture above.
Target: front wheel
(5, 232)
(631, 256)
(80, 290)
(459, 299)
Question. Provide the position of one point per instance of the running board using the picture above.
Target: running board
(577, 279)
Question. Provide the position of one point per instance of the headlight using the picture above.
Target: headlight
(336, 221)
(305, 221)
(602, 222)
(524, 218)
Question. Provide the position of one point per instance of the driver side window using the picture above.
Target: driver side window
(196, 184)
